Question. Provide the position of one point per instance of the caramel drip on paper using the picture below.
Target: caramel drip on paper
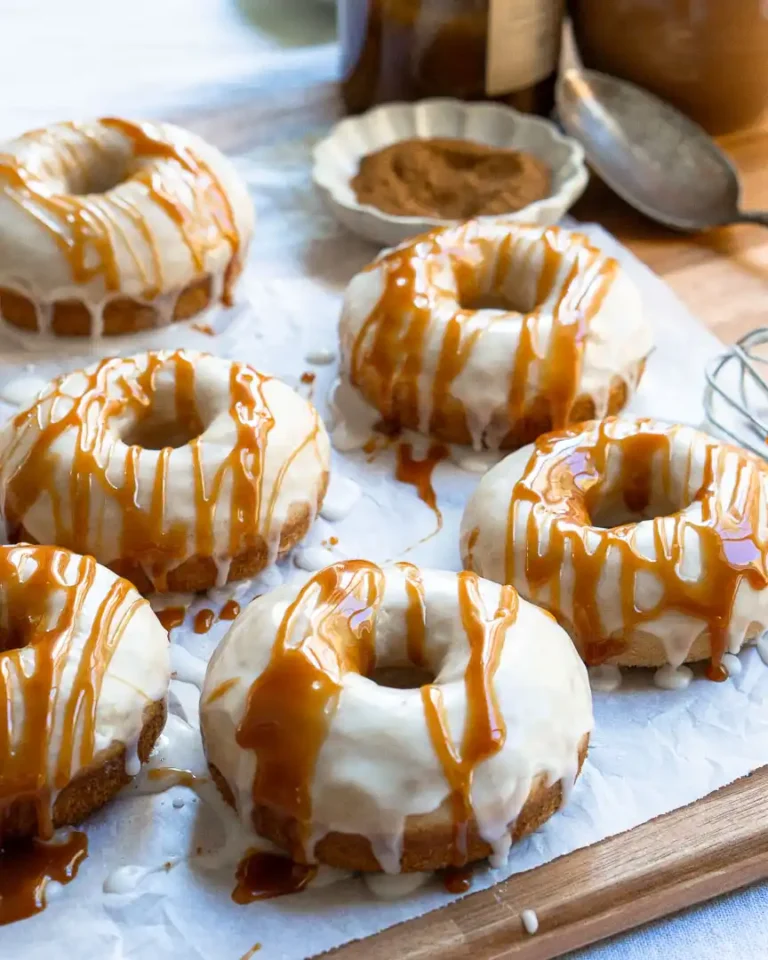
(230, 610)
(35, 649)
(418, 473)
(26, 868)
(203, 620)
(484, 728)
(171, 617)
(458, 879)
(326, 632)
(87, 227)
(263, 876)
(387, 359)
(565, 480)
(117, 388)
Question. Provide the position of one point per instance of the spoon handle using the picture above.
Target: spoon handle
(753, 216)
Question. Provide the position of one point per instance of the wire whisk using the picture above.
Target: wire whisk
(736, 395)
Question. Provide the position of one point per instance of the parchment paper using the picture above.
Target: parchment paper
(652, 750)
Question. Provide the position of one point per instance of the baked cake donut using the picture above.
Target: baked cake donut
(492, 333)
(648, 541)
(179, 470)
(84, 673)
(112, 226)
(335, 767)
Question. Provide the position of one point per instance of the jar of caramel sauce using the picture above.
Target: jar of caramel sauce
(708, 57)
(471, 49)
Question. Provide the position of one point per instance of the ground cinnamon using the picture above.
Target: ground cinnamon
(450, 179)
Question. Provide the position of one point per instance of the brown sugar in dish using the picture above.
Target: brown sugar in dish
(450, 179)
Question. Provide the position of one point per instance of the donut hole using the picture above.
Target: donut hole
(106, 170)
(156, 433)
(497, 299)
(510, 293)
(636, 498)
(406, 676)
(169, 421)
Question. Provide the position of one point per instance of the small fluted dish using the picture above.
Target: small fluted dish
(337, 159)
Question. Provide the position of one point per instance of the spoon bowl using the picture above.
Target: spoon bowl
(650, 154)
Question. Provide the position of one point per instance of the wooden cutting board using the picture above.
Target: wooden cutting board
(687, 856)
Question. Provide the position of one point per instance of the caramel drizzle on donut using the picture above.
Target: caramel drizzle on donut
(328, 631)
(84, 225)
(146, 539)
(484, 728)
(566, 479)
(387, 357)
(415, 615)
(35, 646)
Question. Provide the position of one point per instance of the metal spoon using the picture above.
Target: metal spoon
(653, 156)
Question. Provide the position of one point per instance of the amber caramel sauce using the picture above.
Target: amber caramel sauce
(221, 690)
(193, 198)
(418, 473)
(171, 617)
(230, 610)
(145, 536)
(457, 879)
(184, 778)
(29, 771)
(387, 360)
(203, 620)
(27, 866)
(484, 727)
(290, 707)
(291, 704)
(415, 617)
(262, 876)
(567, 479)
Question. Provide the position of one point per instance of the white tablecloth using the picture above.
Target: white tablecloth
(83, 57)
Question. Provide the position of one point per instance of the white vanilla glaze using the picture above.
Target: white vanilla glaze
(530, 921)
(679, 555)
(378, 749)
(732, 664)
(185, 667)
(489, 319)
(673, 678)
(311, 558)
(320, 357)
(92, 657)
(605, 678)
(126, 879)
(108, 209)
(388, 886)
(22, 390)
(68, 475)
(341, 498)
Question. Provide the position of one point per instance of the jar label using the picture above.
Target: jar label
(523, 43)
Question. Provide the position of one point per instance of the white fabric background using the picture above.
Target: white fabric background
(67, 58)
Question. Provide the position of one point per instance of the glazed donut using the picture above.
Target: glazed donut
(646, 540)
(178, 470)
(85, 673)
(335, 767)
(112, 226)
(492, 333)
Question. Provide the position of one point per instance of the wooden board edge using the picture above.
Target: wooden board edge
(687, 856)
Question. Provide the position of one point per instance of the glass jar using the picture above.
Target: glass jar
(471, 49)
(708, 57)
